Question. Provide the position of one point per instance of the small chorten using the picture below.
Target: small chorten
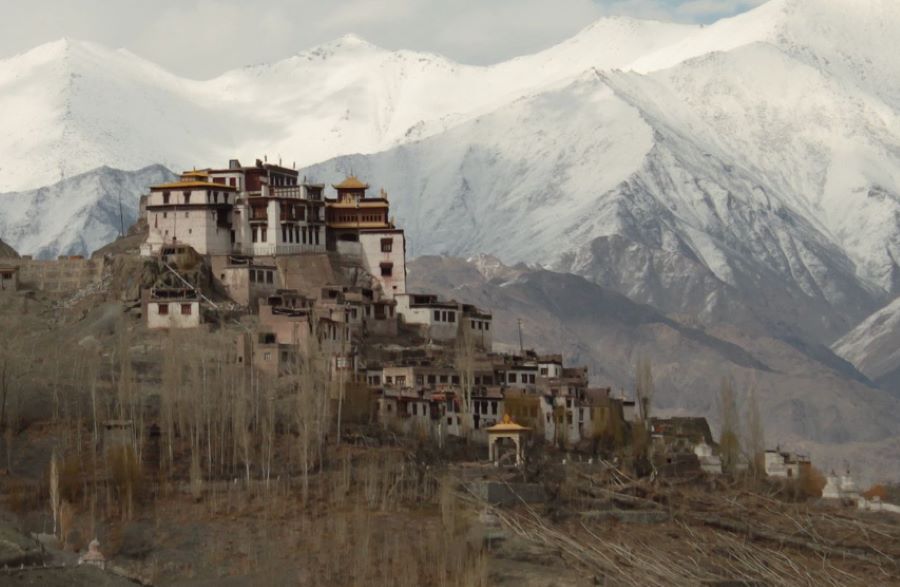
(93, 556)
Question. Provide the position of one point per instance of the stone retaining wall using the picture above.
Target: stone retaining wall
(61, 275)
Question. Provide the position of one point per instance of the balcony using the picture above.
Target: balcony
(272, 249)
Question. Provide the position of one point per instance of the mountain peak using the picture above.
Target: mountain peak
(352, 40)
(349, 43)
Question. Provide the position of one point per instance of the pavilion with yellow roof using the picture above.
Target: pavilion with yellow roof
(507, 429)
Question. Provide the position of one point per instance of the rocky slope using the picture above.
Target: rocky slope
(815, 403)
(874, 347)
(7, 252)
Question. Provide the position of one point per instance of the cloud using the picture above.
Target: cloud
(202, 38)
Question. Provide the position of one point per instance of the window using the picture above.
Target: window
(512, 378)
(487, 325)
(187, 197)
(387, 269)
(387, 245)
(165, 214)
(494, 408)
(185, 309)
(437, 315)
(531, 378)
(187, 214)
(165, 198)
(163, 309)
(452, 316)
(432, 379)
(270, 277)
(449, 420)
(443, 379)
(454, 379)
(267, 356)
(415, 409)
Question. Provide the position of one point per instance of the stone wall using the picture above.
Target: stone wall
(61, 275)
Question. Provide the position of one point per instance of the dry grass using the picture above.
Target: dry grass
(728, 534)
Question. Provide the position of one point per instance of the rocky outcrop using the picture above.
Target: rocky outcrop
(7, 252)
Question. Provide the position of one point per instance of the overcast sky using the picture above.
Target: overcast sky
(202, 38)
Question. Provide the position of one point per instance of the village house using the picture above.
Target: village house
(171, 307)
(710, 462)
(245, 281)
(683, 445)
(439, 320)
(841, 487)
(9, 278)
(783, 464)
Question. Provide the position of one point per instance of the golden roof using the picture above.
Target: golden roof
(195, 173)
(360, 204)
(507, 425)
(351, 183)
(191, 184)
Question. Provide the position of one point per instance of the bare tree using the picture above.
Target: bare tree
(729, 437)
(465, 366)
(755, 441)
(644, 388)
(54, 491)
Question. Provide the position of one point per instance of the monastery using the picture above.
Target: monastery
(307, 271)
(326, 272)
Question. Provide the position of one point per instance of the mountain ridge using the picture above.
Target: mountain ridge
(698, 184)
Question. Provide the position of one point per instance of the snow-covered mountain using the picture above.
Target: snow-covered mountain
(76, 215)
(874, 347)
(748, 170)
(71, 106)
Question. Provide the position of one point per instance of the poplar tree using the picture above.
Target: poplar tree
(729, 443)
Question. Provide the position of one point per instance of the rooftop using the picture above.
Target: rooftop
(191, 184)
(507, 425)
(351, 183)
